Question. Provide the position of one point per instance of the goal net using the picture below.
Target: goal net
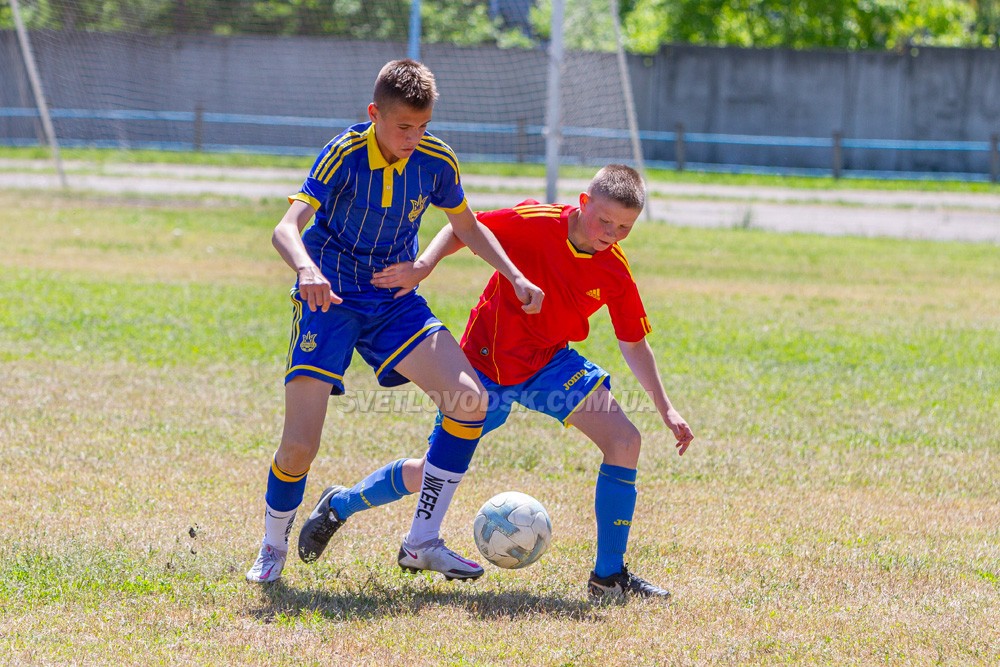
(284, 77)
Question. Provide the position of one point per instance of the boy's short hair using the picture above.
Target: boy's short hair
(405, 81)
(619, 183)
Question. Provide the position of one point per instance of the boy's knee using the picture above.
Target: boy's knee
(470, 406)
(413, 473)
(295, 458)
(624, 450)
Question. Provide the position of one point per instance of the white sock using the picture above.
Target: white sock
(436, 491)
(277, 526)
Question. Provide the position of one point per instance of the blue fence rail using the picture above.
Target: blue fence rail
(836, 143)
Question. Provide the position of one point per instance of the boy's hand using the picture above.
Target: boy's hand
(405, 275)
(680, 429)
(315, 289)
(529, 294)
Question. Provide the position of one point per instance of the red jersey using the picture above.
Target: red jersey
(510, 346)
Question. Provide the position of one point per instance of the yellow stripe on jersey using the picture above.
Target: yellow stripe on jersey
(460, 430)
(620, 254)
(439, 151)
(344, 141)
(438, 145)
(538, 210)
(285, 476)
(336, 157)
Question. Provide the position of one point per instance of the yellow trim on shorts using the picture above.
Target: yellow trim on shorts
(403, 346)
(304, 367)
(600, 383)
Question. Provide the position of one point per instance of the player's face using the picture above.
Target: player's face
(398, 129)
(602, 223)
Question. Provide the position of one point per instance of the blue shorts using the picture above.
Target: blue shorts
(557, 390)
(383, 330)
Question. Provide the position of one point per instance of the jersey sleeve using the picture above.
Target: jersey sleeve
(328, 172)
(505, 223)
(628, 315)
(448, 194)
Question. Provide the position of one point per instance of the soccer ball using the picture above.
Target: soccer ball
(512, 530)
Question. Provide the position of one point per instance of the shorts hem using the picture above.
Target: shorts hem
(318, 374)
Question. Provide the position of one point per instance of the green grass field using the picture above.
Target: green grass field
(840, 504)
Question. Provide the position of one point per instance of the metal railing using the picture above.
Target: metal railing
(521, 132)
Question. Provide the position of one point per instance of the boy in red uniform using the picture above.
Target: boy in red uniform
(572, 254)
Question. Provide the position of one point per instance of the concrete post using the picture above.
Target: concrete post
(838, 155)
(679, 146)
(995, 158)
(199, 126)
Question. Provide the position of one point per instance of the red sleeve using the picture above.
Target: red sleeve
(505, 222)
(628, 315)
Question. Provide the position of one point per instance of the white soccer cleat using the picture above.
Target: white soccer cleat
(435, 556)
(268, 566)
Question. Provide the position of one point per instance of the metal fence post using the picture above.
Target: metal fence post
(679, 146)
(838, 155)
(199, 126)
(995, 157)
(522, 138)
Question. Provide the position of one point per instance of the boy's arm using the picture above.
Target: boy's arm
(407, 275)
(314, 288)
(481, 241)
(640, 359)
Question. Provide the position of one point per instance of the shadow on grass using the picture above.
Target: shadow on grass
(376, 599)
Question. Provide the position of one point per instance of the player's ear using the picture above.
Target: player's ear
(373, 112)
(584, 200)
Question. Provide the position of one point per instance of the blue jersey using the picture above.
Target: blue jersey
(368, 211)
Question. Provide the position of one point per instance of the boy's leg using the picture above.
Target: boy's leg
(306, 402)
(337, 503)
(439, 367)
(602, 420)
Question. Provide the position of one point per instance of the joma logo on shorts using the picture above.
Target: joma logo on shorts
(573, 380)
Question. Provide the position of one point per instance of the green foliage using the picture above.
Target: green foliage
(647, 24)
(848, 24)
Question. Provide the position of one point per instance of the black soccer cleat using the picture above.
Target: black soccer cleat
(622, 584)
(319, 527)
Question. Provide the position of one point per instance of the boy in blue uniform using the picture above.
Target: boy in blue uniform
(572, 253)
(366, 193)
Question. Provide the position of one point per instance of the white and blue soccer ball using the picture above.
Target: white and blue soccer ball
(512, 530)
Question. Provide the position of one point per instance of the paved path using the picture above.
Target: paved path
(904, 214)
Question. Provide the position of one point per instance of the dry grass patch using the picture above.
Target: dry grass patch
(839, 506)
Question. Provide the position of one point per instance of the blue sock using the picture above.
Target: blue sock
(614, 505)
(453, 442)
(284, 491)
(383, 486)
